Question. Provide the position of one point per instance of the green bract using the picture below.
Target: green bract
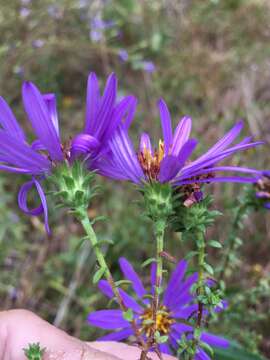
(73, 186)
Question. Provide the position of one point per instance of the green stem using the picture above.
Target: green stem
(83, 218)
(200, 287)
(159, 232)
(200, 283)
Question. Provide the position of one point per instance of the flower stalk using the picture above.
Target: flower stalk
(82, 216)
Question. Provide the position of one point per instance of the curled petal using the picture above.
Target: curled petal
(84, 144)
(42, 208)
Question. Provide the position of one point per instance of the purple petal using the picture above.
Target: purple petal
(105, 288)
(107, 167)
(175, 280)
(166, 124)
(42, 208)
(84, 144)
(106, 107)
(213, 159)
(20, 155)
(214, 340)
(92, 103)
(117, 335)
(14, 169)
(181, 135)
(267, 205)
(108, 319)
(125, 157)
(129, 302)
(130, 113)
(120, 111)
(201, 355)
(170, 165)
(40, 119)
(225, 168)
(9, 122)
(236, 179)
(186, 311)
(180, 294)
(225, 141)
(131, 275)
(50, 101)
(181, 328)
(22, 199)
(145, 143)
(164, 349)
(44, 205)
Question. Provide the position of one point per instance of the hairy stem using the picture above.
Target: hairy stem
(91, 235)
(200, 282)
(159, 228)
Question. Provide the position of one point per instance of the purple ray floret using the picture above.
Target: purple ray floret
(17, 156)
(177, 303)
(103, 115)
(171, 161)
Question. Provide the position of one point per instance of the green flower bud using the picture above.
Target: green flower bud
(158, 201)
(73, 185)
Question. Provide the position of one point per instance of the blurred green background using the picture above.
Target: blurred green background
(209, 59)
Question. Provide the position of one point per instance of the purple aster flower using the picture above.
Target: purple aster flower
(17, 156)
(263, 189)
(123, 55)
(98, 26)
(170, 162)
(103, 116)
(148, 66)
(38, 43)
(175, 306)
(24, 12)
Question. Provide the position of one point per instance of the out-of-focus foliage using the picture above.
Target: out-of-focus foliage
(208, 59)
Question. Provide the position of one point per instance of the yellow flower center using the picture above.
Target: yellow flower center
(151, 163)
(163, 321)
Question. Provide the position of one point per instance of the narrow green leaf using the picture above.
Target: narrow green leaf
(128, 315)
(208, 348)
(208, 268)
(215, 244)
(122, 282)
(148, 262)
(98, 275)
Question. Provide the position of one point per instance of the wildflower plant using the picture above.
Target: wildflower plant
(169, 318)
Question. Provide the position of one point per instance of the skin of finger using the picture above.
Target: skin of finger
(124, 351)
(18, 328)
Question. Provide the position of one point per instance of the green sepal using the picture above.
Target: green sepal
(128, 315)
(148, 262)
(98, 275)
